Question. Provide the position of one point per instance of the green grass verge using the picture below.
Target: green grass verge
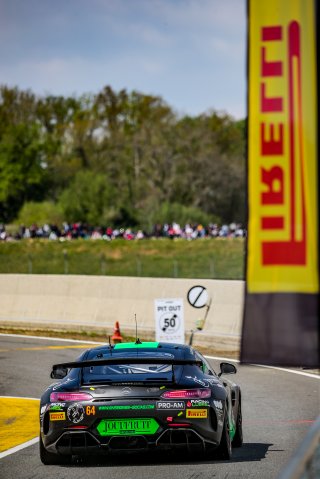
(163, 258)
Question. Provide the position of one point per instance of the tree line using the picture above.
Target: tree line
(118, 158)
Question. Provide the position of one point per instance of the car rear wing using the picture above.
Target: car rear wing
(127, 360)
(59, 371)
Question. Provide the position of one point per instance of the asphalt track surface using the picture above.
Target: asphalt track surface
(278, 408)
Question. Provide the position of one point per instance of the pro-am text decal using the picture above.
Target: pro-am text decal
(170, 405)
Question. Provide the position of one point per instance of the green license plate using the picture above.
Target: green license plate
(127, 427)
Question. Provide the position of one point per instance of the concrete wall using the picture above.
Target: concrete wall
(96, 302)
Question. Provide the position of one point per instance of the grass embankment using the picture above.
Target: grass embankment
(163, 258)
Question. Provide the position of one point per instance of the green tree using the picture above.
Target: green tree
(41, 213)
(16, 107)
(89, 199)
(209, 166)
(175, 212)
(132, 142)
(55, 115)
(22, 175)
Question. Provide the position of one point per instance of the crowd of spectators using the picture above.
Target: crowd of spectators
(173, 230)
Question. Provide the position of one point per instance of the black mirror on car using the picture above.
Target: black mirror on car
(59, 373)
(227, 368)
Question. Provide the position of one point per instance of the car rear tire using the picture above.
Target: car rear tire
(238, 437)
(224, 450)
(51, 459)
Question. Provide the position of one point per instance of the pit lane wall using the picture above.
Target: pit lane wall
(89, 303)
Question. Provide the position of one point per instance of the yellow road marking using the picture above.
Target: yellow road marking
(39, 348)
(44, 348)
(19, 421)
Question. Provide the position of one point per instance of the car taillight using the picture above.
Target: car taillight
(79, 396)
(77, 427)
(179, 424)
(187, 394)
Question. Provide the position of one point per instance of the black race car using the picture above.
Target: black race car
(136, 397)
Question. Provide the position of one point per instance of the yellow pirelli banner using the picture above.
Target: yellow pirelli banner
(282, 274)
(282, 147)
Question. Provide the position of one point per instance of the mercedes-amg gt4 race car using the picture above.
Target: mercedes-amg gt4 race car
(137, 397)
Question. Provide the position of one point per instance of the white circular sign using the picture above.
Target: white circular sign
(198, 296)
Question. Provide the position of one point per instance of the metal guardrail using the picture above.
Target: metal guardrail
(305, 463)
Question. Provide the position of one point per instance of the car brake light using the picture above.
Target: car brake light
(78, 396)
(187, 394)
(179, 424)
(77, 427)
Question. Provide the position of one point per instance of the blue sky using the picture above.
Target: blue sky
(189, 52)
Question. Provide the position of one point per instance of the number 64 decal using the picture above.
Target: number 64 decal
(90, 410)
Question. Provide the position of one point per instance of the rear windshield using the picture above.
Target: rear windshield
(129, 371)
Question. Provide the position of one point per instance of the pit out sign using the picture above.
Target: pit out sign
(169, 319)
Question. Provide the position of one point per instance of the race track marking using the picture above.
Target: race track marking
(292, 371)
(276, 423)
(301, 373)
(49, 338)
(18, 448)
(44, 348)
(19, 422)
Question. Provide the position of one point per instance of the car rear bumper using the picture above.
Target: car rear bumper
(86, 443)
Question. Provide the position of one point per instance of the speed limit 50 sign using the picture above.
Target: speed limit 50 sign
(169, 320)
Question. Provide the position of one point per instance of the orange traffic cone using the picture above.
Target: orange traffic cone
(117, 338)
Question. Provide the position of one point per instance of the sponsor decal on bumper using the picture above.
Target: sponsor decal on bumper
(170, 405)
(218, 404)
(198, 403)
(57, 416)
(197, 413)
(55, 408)
(128, 407)
(75, 413)
(127, 427)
